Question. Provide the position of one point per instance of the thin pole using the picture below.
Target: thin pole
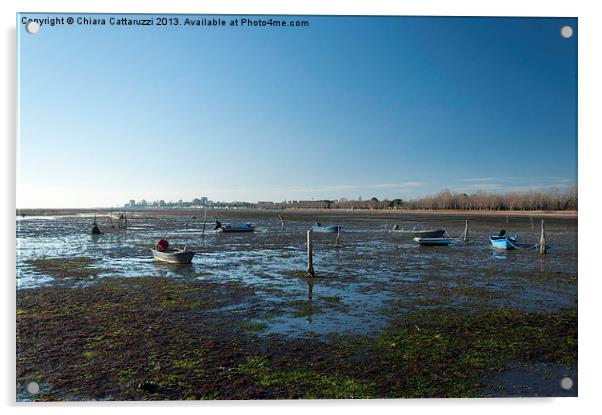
(466, 232)
(542, 240)
(310, 254)
(281, 222)
(204, 221)
(337, 242)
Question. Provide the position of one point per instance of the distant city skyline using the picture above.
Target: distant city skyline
(386, 107)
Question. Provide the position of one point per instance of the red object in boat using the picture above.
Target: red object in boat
(162, 245)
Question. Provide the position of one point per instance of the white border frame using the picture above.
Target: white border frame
(590, 71)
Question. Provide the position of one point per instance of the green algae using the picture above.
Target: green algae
(303, 383)
(72, 267)
(252, 326)
(121, 333)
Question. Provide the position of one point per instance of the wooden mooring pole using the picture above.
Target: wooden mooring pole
(281, 222)
(542, 240)
(466, 232)
(337, 242)
(310, 256)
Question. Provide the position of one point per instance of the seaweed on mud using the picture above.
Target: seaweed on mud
(71, 267)
(304, 308)
(119, 339)
(304, 383)
(252, 326)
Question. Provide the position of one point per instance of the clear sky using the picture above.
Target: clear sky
(347, 107)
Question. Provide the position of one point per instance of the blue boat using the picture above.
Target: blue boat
(503, 242)
(325, 229)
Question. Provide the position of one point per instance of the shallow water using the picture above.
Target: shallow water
(355, 284)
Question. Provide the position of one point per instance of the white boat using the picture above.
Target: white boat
(419, 233)
(173, 256)
(434, 241)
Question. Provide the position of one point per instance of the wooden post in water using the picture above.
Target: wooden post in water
(466, 232)
(337, 242)
(542, 240)
(310, 255)
(204, 222)
(532, 226)
(281, 222)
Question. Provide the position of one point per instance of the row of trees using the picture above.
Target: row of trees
(552, 199)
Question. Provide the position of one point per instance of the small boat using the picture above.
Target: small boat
(434, 241)
(325, 229)
(95, 229)
(503, 242)
(418, 233)
(243, 227)
(173, 256)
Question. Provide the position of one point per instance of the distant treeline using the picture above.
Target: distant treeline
(552, 199)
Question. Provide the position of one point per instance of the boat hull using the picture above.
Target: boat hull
(503, 243)
(173, 256)
(431, 233)
(237, 228)
(434, 241)
(325, 229)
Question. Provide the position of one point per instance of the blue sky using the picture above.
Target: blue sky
(349, 106)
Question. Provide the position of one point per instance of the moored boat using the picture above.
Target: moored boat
(242, 227)
(325, 229)
(503, 242)
(420, 233)
(173, 256)
(434, 241)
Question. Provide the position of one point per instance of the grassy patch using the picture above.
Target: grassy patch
(302, 383)
(73, 267)
(445, 353)
(252, 326)
(303, 308)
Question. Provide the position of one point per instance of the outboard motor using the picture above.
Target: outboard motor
(218, 225)
(503, 232)
(162, 244)
(95, 229)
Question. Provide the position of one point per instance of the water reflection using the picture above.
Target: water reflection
(499, 254)
(310, 290)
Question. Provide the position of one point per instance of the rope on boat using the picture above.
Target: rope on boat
(526, 247)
